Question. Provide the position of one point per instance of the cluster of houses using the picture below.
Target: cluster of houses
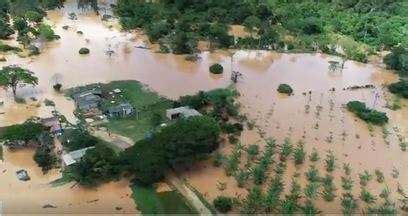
(89, 103)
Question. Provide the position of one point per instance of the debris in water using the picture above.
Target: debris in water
(22, 175)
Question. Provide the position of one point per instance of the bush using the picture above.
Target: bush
(366, 114)
(223, 204)
(399, 88)
(57, 87)
(7, 48)
(398, 60)
(285, 89)
(84, 51)
(216, 69)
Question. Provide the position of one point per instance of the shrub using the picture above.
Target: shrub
(223, 204)
(399, 88)
(285, 89)
(216, 69)
(57, 87)
(366, 114)
(398, 60)
(84, 51)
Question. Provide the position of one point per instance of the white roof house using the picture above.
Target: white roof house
(184, 112)
(74, 156)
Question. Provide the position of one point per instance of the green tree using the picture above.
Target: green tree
(12, 76)
(223, 204)
(97, 166)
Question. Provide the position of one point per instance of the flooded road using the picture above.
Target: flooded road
(312, 117)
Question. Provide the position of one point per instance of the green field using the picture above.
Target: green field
(148, 201)
(1, 151)
(150, 107)
(147, 104)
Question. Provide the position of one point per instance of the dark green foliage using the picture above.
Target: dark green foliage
(216, 69)
(223, 204)
(5, 29)
(84, 51)
(29, 130)
(44, 155)
(74, 139)
(57, 87)
(299, 154)
(222, 101)
(349, 204)
(311, 23)
(97, 166)
(176, 145)
(399, 88)
(253, 151)
(254, 202)
(147, 161)
(367, 114)
(398, 60)
(7, 48)
(285, 89)
(273, 194)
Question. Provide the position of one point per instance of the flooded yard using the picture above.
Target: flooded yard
(314, 114)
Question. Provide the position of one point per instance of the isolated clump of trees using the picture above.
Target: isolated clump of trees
(84, 51)
(216, 69)
(367, 114)
(285, 89)
(14, 76)
(399, 88)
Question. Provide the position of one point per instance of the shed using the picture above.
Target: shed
(184, 112)
(74, 156)
(87, 100)
(121, 110)
(22, 175)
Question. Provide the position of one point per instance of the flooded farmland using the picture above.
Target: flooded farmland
(315, 113)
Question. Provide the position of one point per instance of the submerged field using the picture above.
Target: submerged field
(317, 119)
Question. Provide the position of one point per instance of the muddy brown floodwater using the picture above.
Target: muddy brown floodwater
(311, 118)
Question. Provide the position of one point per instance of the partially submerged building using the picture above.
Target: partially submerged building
(53, 124)
(120, 111)
(88, 100)
(181, 112)
(22, 175)
(74, 156)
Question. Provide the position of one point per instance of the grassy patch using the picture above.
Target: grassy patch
(148, 201)
(149, 106)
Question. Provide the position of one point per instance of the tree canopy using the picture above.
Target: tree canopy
(179, 144)
(12, 76)
(309, 23)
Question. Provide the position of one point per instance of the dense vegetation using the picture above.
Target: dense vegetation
(27, 20)
(359, 26)
(98, 165)
(398, 60)
(176, 145)
(399, 88)
(367, 114)
(27, 131)
(223, 204)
